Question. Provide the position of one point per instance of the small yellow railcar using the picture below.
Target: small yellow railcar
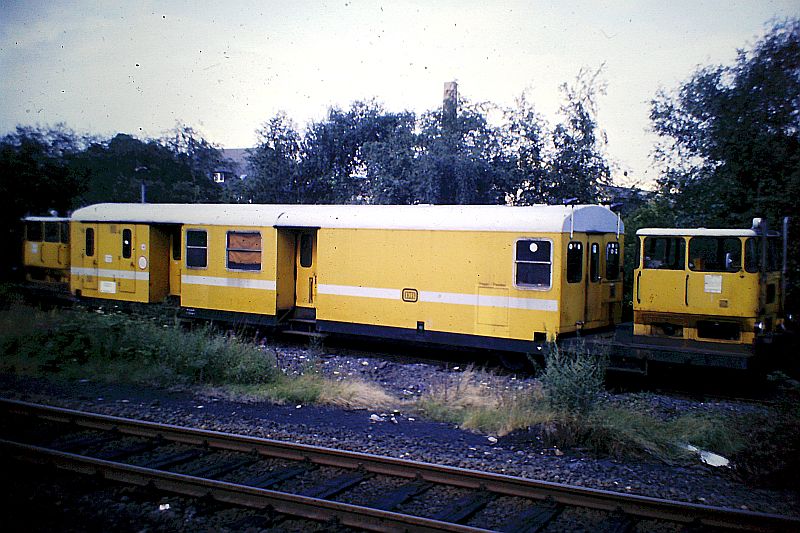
(46, 250)
(489, 276)
(718, 286)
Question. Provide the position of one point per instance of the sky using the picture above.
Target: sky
(225, 68)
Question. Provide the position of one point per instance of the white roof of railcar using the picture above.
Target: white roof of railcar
(536, 218)
(697, 232)
(45, 219)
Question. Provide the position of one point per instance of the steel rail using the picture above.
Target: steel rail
(232, 493)
(642, 507)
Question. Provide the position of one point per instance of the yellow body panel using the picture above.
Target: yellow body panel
(463, 282)
(671, 302)
(107, 273)
(220, 288)
(47, 260)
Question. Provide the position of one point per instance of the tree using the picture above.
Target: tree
(35, 177)
(117, 168)
(276, 162)
(730, 137)
(526, 144)
(578, 166)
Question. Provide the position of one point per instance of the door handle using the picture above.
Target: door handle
(311, 290)
(686, 291)
(638, 285)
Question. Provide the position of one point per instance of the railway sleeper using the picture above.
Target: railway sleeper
(534, 519)
(400, 495)
(465, 507)
(269, 479)
(82, 442)
(118, 454)
(618, 522)
(214, 471)
(174, 459)
(336, 485)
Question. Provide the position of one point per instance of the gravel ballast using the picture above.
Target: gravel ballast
(410, 436)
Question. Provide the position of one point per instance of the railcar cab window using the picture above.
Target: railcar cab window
(196, 248)
(533, 264)
(665, 253)
(752, 254)
(89, 242)
(64, 232)
(612, 261)
(33, 231)
(594, 262)
(126, 243)
(574, 262)
(51, 232)
(306, 250)
(715, 254)
(244, 250)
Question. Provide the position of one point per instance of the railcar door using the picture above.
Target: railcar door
(662, 281)
(306, 269)
(126, 273)
(89, 256)
(595, 309)
(51, 245)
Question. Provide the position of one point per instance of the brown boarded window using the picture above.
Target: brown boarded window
(244, 250)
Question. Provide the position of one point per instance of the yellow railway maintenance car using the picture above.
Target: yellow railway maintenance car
(707, 296)
(494, 277)
(46, 250)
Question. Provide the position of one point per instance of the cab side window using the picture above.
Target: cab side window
(89, 242)
(533, 264)
(612, 261)
(33, 231)
(665, 253)
(196, 248)
(51, 232)
(574, 262)
(244, 250)
(64, 233)
(715, 254)
(127, 243)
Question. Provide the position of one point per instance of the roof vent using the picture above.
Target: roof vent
(757, 223)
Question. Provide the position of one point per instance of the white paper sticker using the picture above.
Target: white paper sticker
(34, 248)
(109, 258)
(713, 284)
(109, 287)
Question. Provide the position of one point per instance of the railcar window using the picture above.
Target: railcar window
(715, 254)
(244, 250)
(533, 263)
(89, 242)
(33, 231)
(612, 261)
(665, 253)
(126, 243)
(64, 233)
(574, 262)
(176, 244)
(594, 262)
(51, 232)
(753, 253)
(306, 250)
(196, 248)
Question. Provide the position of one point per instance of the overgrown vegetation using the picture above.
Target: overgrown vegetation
(120, 347)
(569, 410)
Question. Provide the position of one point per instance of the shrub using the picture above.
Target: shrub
(573, 379)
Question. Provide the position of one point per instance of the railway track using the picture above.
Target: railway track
(354, 489)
